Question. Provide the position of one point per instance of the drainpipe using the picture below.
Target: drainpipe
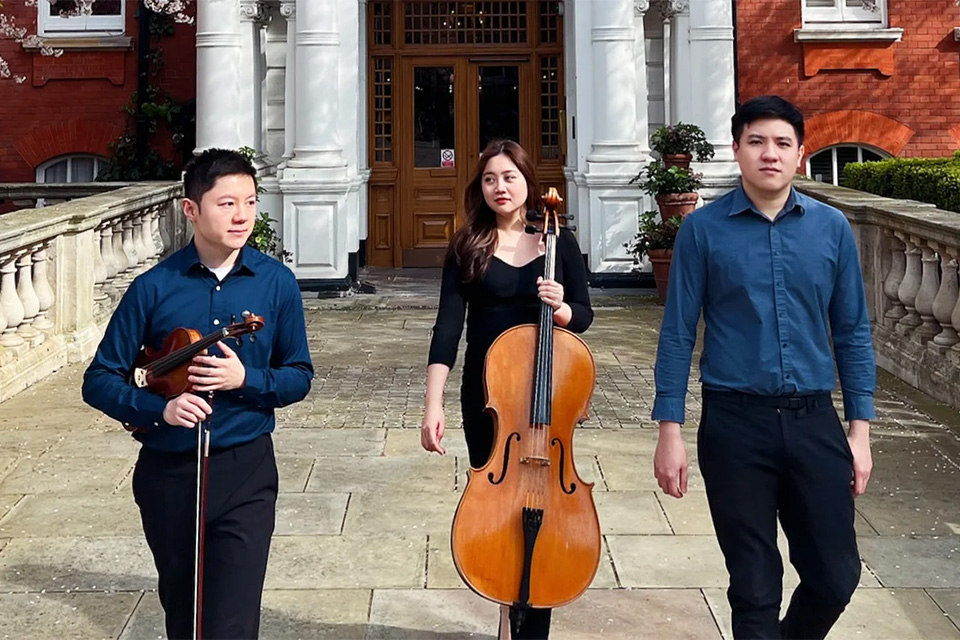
(736, 62)
(143, 77)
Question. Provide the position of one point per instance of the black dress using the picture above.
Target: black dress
(505, 297)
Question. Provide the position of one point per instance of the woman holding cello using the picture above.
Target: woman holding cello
(493, 276)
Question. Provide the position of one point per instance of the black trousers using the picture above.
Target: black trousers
(478, 432)
(762, 458)
(241, 510)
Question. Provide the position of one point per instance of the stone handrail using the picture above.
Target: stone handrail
(909, 252)
(64, 267)
(27, 193)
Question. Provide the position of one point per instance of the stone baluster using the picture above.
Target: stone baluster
(119, 255)
(161, 232)
(10, 301)
(136, 221)
(149, 248)
(99, 267)
(41, 284)
(28, 297)
(929, 285)
(945, 303)
(891, 283)
(127, 244)
(907, 291)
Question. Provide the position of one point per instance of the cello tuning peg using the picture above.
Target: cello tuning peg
(571, 227)
(533, 215)
(567, 216)
(530, 229)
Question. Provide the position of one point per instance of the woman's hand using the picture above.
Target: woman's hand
(431, 429)
(551, 292)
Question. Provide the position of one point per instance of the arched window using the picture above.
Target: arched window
(827, 164)
(75, 168)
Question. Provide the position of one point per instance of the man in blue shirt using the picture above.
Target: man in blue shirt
(206, 286)
(776, 275)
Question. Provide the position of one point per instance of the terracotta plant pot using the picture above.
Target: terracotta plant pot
(680, 160)
(660, 260)
(676, 204)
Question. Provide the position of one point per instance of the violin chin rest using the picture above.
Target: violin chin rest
(140, 377)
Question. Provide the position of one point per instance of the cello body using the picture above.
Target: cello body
(526, 531)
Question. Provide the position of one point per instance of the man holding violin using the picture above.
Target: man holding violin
(210, 285)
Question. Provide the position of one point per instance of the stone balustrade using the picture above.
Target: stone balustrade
(64, 267)
(910, 252)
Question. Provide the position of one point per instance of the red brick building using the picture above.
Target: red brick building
(57, 124)
(871, 83)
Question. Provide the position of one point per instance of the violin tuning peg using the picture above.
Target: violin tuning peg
(233, 318)
(245, 315)
(253, 338)
(239, 341)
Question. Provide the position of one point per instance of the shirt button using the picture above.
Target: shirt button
(156, 424)
(784, 345)
(218, 287)
(216, 322)
(779, 284)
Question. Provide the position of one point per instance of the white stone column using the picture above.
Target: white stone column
(251, 75)
(288, 9)
(615, 84)
(711, 75)
(640, 8)
(317, 84)
(218, 74)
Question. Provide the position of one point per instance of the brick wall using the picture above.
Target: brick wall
(73, 104)
(919, 100)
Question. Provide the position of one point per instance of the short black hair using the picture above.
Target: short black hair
(203, 171)
(766, 107)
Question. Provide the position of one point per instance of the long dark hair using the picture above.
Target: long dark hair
(474, 244)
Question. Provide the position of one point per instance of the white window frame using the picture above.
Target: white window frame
(833, 156)
(841, 16)
(98, 163)
(55, 26)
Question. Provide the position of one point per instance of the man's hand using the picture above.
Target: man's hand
(859, 439)
(217, 374)
(670, 460)
(186, 410)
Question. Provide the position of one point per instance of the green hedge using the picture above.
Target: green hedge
(933, 180)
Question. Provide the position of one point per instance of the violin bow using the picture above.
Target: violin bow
(203, 472)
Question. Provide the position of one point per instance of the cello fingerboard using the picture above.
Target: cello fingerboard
(543, 371)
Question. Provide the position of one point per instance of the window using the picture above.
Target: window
(79, 168)
(107, 18)
(846, 14)
(827, 164)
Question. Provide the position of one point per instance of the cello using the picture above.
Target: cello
(164, 371)
(526, 531)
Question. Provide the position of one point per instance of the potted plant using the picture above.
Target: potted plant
(655, 240)
(675, 189)
(676, 144)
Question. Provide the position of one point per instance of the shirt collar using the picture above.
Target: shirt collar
(742, 203)
(191, 261)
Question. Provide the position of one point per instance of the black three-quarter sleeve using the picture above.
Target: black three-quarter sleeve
(575, 292)
(450, 316)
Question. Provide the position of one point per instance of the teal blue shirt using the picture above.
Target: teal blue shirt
(772, 294)
(181, 292)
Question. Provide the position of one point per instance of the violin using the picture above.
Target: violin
(164, 370)
(526, 531)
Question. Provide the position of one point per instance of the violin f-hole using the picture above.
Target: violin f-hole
(563, 486)
(506, 460)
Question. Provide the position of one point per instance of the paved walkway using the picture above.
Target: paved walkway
(362, 541)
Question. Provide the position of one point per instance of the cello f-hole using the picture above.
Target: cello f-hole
(563, 486)
(506, 460)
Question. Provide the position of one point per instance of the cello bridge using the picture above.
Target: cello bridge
(540, 460)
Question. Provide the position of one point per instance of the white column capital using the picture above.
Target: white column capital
(640, 7)
(288, 9)
(251, 10)
(671, 8)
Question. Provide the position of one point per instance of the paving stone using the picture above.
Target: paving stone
(441, 571)
(315, 443)
(95, 515)
(332, 614)
(899, 513)
(346, 562)
(881, 614)
(630, 512)
(7, 501)
(927, 562)
(27, 442)
(433, 614)
(294, 473)
(66, 475)
(640, 614)
(949, 601)
(147, 621)
(409, 514)
(76, 564)
(380, 474)
(116, 443)
(689, 515)
(406, 442)
(64, 615)
(635, 473)
(310, 514)
(906, 472)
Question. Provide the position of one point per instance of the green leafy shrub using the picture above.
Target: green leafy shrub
(932, 180)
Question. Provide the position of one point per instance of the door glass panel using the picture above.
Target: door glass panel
(433, 119)
(499, 103)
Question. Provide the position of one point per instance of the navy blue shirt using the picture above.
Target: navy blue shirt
(181, 292)
(772, 293)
